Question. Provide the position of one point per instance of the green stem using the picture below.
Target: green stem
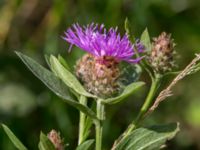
(83, 101)
(99, 128)
(144, 108)
(150, 97)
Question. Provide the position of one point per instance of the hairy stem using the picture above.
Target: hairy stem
(83, 101)
(98, 124)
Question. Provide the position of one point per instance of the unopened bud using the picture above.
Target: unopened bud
(161, 57)
(55, 138)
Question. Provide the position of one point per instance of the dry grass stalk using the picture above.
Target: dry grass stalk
(191, 68)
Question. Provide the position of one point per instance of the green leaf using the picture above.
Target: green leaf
(128, 30)
(88, 123)
(47, 57)
(54, 84)
(127, 26)
(45, 143)
(148, 138)
(67, 77)
(85, 145)
(130, 89)
(87, 129)
(63, 62)
(18, 144)
(145, 39)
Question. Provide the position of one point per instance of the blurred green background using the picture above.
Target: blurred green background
(35, 27)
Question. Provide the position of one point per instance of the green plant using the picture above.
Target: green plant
(100, 79)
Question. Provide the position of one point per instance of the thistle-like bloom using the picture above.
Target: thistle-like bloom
(99, 70)
(97, 41)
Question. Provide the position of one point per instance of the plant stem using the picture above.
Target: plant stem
(83, 101)
(146, 105)
(154, 86)
(99, 128)
(148, 101)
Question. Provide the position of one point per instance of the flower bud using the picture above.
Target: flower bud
(161, 57)
(55, 138)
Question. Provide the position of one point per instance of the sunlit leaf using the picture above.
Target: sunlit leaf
(145, 40)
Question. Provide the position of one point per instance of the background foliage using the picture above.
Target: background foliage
(35, 27)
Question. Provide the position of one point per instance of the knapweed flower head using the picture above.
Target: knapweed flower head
(99, 69)
(162, 54)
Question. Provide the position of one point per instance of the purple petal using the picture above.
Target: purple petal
(94, 39)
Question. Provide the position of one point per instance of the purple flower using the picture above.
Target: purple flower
(94, 39)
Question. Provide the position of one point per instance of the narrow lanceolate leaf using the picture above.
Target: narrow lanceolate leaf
(148, 138)
(67, 77)
(127, 26)
(18, 144)
(130, 89)
(145, 40)
(47, 58)
(128, 30)
(87, 129)
(63, 62)
(54, 84)
(45, 143)
(85, 145)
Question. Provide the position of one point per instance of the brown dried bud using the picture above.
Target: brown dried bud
(99, 75)
(161, 57)
(55, 138)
